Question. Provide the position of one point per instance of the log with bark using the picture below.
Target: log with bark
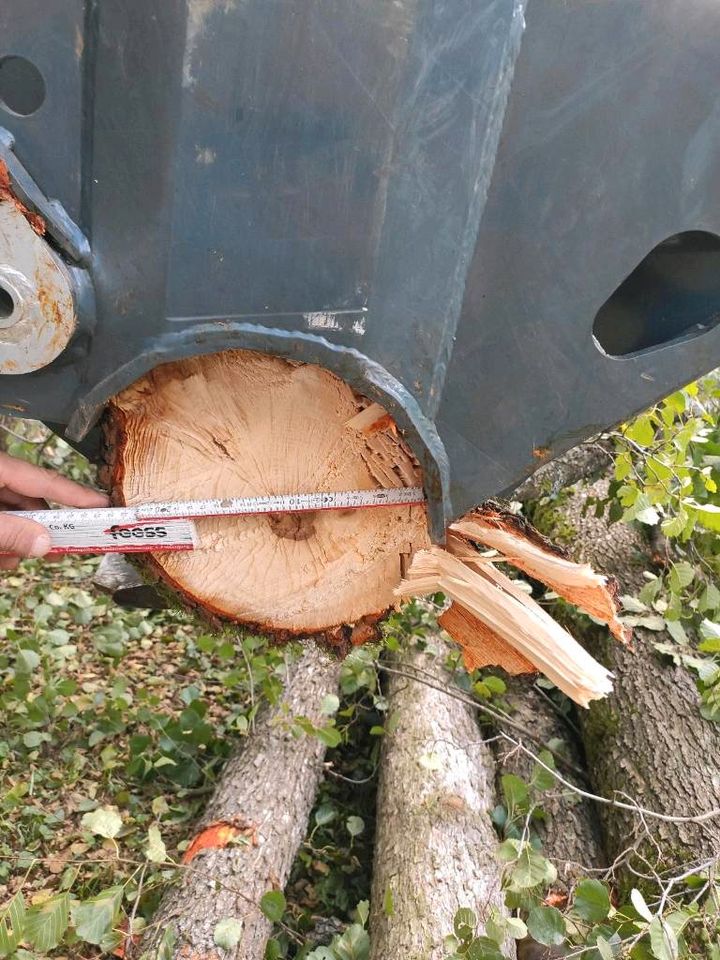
(647, 743)
(434, 843)
(570, 827)
(241, 423)
(247, 840)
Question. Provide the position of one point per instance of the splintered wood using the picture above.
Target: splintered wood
(241, 423)
(495, 621)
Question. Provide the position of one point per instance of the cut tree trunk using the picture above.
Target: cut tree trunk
(252, 828)
(647, 741)
(570, 828)
(434, 844)
(241, 423)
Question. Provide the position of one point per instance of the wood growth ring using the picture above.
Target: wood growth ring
(242, 423)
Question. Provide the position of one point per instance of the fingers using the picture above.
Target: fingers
(22, 538)
(32, 481)
(16, 501)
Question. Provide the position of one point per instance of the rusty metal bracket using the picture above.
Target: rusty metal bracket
(66, 234)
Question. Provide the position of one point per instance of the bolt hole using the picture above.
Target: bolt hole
(22, 88)
(7, 304)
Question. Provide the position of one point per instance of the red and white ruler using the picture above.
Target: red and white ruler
(170, 525)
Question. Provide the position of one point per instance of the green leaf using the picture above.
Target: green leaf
(330, 704)
(516, 928)
(329, 735)
(677, 631)
(105, 822)
(674, 526)
(642, 909)
(530, 868)
(33, 738)
(641, 431)
(546, 925)
(681, 575)
(663, 941)
(363, 911)
(592, 901)
(515, 791)
(273, 950)
(710, 598)
(354, 826)
(708, 515)
(273, 905)
(495, 684)
(543, 779)
(26, 661)
(155, 850)
(325, 814)
(46, 923)
(227, 933)
(354, 944)
(604, 948)
(93, 919)
(496, 926)
(11, 925)
(166, 947)
(483, 948)
(464, 923)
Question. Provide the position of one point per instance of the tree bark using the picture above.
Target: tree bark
(647, 741)
(586, 460)
(253, 826)
(570, 830)
(241, 423)
(434, 844)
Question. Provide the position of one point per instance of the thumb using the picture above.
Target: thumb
(22, 537)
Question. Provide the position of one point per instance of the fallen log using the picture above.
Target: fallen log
(248, 424)
(570, 827)
(247, 840)
(434, 843)
(579, 463)
(647, 743)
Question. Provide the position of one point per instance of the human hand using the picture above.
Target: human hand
(23, 486)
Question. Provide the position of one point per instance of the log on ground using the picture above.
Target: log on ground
(252, 828)
(647, 742)
(241, 423)
(435, 844)
(570, 828)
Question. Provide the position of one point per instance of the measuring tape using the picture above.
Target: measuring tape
(150, 527)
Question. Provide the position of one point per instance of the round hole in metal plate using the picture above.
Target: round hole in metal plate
(22, 87)
(7, 304)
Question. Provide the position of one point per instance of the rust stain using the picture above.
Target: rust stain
(7, 196)
(556, 898)
(218, 835)
(125, 947)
